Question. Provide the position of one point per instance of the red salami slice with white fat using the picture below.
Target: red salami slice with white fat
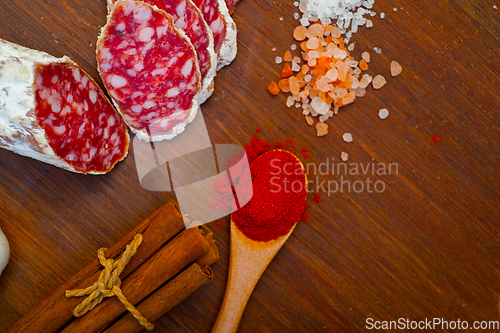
(231, 5)
(188, 18)
(150, 69)
(52, 111)
(217, 16)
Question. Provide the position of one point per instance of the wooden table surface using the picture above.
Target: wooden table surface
(427, 247)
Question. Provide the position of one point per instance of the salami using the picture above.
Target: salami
(52, 111)
(150, 69)
(188, 18)
(216, 14)
(231, 5)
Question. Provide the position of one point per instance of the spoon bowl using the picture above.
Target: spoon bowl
(248, 261)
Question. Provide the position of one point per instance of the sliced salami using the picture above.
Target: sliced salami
(231, 5)
(150, 69)
(188, 18)
(52, 111)
(217, 16)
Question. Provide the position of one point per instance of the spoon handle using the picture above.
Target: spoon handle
(249, 259)
(235, 300)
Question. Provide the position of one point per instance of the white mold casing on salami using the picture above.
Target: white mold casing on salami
(20, 130)
(229, 47)
(141, 39)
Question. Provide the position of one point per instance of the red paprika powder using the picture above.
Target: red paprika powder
(279, 197)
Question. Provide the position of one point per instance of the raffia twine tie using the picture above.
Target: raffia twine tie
(108, 284)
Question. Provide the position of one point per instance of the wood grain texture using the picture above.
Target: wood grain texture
(428, 246)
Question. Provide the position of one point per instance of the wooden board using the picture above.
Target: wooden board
(427, 247)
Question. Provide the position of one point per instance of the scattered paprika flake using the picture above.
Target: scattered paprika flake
(317, 198)
(257, 129)
(436, 138)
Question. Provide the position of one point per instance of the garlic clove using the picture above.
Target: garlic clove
(4, 251)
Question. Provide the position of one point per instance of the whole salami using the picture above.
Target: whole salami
(52, 111)
(150, 69)
(217, 16)
(188, 18)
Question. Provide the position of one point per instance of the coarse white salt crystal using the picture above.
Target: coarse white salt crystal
(296, 3)
(278, 60)
(281, 18)
(347, 137)
(347, 15)
(378, 50)
(395, 9)
(293, 47)
(494, 6)
(382, 15)
(383, 113)
(351, 47)
(273, 49)
(296, 16)
(297, 105)
(344, 156)
(369, 23)
(295, 67)
(319, 106)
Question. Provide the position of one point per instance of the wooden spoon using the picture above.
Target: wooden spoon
(248, 260)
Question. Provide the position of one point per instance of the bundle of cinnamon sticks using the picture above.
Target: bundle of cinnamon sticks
(170, 264)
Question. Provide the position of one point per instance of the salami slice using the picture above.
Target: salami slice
(188, 18)
(231, 5)
(52, 111)
(216, 14)
(150, 69)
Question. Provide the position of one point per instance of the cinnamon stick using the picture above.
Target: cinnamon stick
(210, 257)
(164, 299)
(56, 310)
(184, 249)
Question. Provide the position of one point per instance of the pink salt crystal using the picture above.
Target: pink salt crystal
(322, 129)
(396, 68)
(366, 56)
(336, 33)
(332, 74)
(309, 120)
(378, 82)
(315, 30)
(344, 156)
(294, 85)
(349, 98)
(312, 43)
